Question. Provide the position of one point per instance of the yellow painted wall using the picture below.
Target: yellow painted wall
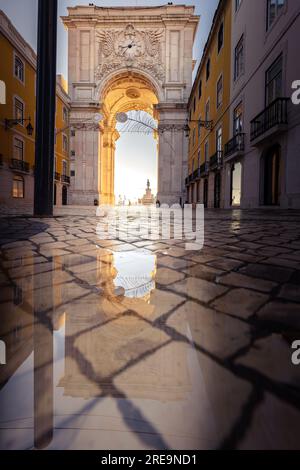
(24, 91)
(220, 64)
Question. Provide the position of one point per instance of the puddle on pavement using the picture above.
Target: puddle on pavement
(85, 362)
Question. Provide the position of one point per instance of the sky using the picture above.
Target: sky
(133, 166)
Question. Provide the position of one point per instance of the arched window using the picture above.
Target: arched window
(18, 187)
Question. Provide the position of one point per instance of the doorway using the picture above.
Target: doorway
(217, 191)
(271, 176)
(64, 196)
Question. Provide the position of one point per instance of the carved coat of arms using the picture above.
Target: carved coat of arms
(130, 48)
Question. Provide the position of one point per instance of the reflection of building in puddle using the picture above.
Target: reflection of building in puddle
(135, 273)
(111, 346)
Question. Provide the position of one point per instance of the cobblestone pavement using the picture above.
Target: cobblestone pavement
(142, 344)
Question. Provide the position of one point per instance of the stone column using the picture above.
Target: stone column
(107, 165)
(172, 155)
(85, 185)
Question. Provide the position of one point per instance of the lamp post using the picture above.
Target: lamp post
(45, 115)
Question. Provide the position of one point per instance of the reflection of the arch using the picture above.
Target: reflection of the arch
(110, 347)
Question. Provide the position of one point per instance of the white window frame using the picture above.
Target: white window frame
(17, 55)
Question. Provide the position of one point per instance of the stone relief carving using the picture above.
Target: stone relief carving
(130, 47)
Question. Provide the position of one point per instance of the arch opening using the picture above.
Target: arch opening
(125, 93)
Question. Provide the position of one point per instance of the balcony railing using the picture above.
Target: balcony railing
(19, 165)
(65, 179)
(57, 176)
(204, 169)
(274, 115)
(234, 145)
(196, 174)
(216, 160)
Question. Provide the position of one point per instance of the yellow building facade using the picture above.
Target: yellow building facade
(209, 118)
(17, 125)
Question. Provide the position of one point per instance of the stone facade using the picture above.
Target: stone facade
(122, 59)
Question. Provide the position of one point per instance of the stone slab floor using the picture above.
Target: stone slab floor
(140, 344)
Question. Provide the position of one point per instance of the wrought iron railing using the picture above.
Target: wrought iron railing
(19, 165)
(65, 179)
(273, 115)
(236, 144)
(204, 169)
(57, 176)
(216, 160)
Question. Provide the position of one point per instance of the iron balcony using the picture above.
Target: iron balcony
(216, 161)
(235, 146)
(19, 165)
(274, 118)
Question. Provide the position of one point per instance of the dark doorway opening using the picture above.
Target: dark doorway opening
(271, 176)
(54, 195)
(205, 193)
(217, 191)
(64, 196)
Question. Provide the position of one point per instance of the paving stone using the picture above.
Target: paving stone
(282, 313)
(225, 264)
(271, 273)
(204, 272)
(174, 263)
(240, 280)
(240, 302)
(198, 289)
(165, 276)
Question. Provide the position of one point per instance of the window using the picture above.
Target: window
(207, 69)
(194, 136)
(220, 91)
(221, 37)
(219, 140)
(199, 159)
(194, 104)
(200, 89)
(274, 81)
(19, 68)
(65, 114)
(239, 59)
(206, 148)
(18, 149)
(274, 8)
(199, 127)
(18, 187)
(64, 168)
(238, 119)
(19, 109)
(65, 143)
(207, 111)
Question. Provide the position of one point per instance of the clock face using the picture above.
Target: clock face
(130, 46)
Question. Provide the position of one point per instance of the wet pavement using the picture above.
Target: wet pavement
(141, 344)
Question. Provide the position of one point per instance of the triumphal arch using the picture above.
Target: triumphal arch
(121, 59)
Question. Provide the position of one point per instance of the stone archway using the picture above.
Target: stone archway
(121, 59)
(122, 92)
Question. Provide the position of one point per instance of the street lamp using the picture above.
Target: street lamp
(9, 123)
(96, 119)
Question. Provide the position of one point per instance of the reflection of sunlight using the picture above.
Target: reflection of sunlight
(136, 272)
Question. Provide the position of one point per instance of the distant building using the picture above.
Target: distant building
(17, 145)
(248, 156)
(209, 115)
